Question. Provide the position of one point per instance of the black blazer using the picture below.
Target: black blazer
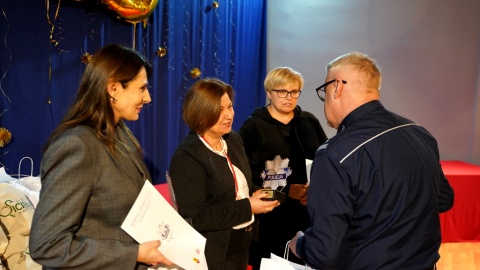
(204, 189)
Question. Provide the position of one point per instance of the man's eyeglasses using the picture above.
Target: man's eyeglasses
(322, 87)
(284, 93)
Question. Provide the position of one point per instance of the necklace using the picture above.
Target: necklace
(218, 146)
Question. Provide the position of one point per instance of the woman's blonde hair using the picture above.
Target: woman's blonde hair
(281, 76)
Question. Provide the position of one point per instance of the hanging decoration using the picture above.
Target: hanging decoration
(52, 22)
(54, 41)
(167, 39)
(161, 51)
(5, 136)
(195, 73)
(86, 57)
(132, 11)
(90, 36)
(219, 69)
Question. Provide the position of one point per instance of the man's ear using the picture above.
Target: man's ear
(338, 89)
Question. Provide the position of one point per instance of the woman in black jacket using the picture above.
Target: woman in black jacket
(278, 138)
(211, 177)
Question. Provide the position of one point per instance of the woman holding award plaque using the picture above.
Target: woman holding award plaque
(211, 178)
(278, 138)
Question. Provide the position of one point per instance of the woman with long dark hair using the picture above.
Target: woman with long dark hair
(93, 170)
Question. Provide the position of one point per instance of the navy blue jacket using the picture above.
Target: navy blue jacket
(376, 191)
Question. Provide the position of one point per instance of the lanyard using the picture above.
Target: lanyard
(229, 163)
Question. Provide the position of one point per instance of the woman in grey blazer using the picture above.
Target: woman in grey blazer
(93, 170)
(211, 177)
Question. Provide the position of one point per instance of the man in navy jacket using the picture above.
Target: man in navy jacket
(377, 187)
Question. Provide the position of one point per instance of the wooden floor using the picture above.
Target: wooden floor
(459, 256)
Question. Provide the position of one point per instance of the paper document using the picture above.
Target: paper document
(153, 218)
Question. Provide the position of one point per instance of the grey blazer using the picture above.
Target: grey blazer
(85, 196)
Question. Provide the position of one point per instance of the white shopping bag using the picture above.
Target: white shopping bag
(278, 263)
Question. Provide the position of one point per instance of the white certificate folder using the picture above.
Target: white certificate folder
(153, 218)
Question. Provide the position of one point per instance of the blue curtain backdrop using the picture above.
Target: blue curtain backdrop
(43, 43)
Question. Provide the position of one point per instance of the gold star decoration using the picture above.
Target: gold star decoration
(161, 51)
(86, 57)
(5, 137)
(195, 73)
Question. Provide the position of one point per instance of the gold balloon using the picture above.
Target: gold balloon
(215, 4)
(132, 10)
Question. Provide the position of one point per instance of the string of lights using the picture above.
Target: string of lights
(5, 135)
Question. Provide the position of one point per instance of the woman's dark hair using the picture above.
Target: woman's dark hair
(92, 105)
(201, 108)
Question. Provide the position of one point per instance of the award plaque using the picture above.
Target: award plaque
(274, 195)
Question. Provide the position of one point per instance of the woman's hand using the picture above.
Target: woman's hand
(148, 253)
(260, 206)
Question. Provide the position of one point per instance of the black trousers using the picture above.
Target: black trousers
(237, 253)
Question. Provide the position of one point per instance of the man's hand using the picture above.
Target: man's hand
(293, 243)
